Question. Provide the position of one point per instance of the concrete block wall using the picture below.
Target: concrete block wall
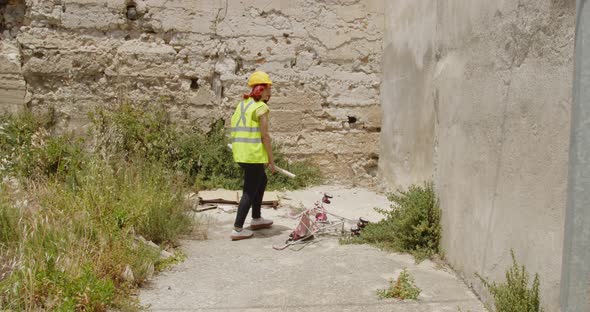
(194, 57)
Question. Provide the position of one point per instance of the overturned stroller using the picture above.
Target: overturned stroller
(314, 221)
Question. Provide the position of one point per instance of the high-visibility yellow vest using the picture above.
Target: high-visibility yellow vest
(245, 133)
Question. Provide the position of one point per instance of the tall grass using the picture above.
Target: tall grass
(70, 227)
(27, 151)
(72, 252)
(73, 228)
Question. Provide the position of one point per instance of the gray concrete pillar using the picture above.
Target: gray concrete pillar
(575, 277)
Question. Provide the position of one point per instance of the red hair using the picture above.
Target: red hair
(256, 92)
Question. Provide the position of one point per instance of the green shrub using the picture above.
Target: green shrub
(307, 173)
(60, 156)
(514, 295)
(411, 225)
(403, 288)
(213, 162)
(28, 151)
(134, 132)
(16, 135)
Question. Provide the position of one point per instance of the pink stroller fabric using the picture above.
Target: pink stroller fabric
(304, 228)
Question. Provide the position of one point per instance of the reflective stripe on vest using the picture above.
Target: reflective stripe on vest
(246, 134)
(243, 111)
(247, 140)
(245, 129)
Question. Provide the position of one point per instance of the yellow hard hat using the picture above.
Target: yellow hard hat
(259, 77)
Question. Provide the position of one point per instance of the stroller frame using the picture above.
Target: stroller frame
(314, 221)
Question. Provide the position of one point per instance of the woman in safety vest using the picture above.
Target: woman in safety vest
(252, 150)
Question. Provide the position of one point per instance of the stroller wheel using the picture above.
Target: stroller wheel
(355, 231)
(326, 198)
(321, 217)
(362, 223)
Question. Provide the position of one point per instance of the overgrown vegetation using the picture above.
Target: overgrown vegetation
(403, 288)
(28, 151)
(412, 224)
(515, 295)
(202, 156)
(71, 244)
(77, 217)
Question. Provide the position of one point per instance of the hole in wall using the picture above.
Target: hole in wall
(352, 119)
(131, 11)
(194, 83)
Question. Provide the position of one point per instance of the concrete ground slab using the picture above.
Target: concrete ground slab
(249, 275)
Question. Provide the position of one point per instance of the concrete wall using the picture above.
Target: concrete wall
(477, 96)
(12, 82)
(195, 57)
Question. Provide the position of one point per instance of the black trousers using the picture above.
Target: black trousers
(254, 185)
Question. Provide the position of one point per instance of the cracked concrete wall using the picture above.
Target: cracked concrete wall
(476, 96)
(195, 56)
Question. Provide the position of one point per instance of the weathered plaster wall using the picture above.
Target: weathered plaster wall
(477, 96)
(12, 83)
(195, 57)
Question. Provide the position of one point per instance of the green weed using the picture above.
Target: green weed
(514, 295)
(176, 258)
(403, 288)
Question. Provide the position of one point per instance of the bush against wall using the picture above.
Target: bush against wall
(515, 295)
(412, 224)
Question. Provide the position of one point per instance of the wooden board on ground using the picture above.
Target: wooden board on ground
(221, 196)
